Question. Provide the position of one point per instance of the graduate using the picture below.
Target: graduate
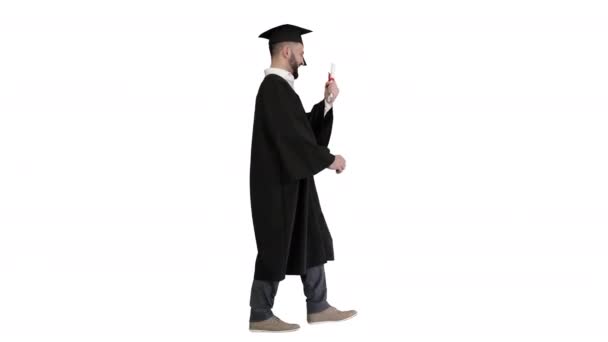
(289, 146)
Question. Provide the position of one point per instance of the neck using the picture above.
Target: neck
(280, 65)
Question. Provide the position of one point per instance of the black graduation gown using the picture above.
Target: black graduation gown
(289, 146)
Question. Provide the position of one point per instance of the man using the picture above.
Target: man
(289, 146)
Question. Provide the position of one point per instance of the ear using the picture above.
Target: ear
(286, 50)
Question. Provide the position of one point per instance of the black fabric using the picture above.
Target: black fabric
(289, 146)
(284, 33)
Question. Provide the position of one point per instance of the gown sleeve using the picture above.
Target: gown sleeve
(300, 154)
(321, 123)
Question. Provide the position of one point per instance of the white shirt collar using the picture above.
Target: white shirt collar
(283, 73)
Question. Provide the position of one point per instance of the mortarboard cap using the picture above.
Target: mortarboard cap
(285, 33)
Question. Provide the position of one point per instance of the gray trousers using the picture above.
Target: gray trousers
(263, 293)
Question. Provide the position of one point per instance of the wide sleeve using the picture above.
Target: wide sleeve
(321, 122)
(299, 152)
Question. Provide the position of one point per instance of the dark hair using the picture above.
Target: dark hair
(275, 47)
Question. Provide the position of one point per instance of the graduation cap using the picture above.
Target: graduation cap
(285, 33)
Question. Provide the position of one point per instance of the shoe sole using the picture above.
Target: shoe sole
(272, 331)
(340, 320)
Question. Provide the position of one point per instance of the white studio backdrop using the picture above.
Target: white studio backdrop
(473, 207)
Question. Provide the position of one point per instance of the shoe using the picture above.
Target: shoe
(330, 314)
(273, 324)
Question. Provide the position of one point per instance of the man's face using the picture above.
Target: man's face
(296, 58)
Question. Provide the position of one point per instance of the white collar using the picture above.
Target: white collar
(283, 73)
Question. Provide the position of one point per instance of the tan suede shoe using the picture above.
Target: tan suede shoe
(273, 324)
(330, 314)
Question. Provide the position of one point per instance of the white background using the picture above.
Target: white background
(473, 208)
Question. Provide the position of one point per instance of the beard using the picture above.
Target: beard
(293, 63)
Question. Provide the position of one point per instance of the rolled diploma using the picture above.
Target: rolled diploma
(331, 77)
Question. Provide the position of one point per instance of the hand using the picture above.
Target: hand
(331, 91)
(339, 164)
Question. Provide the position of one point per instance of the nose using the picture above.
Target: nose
(304, 61)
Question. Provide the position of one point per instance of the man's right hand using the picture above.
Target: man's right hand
(339, 164)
